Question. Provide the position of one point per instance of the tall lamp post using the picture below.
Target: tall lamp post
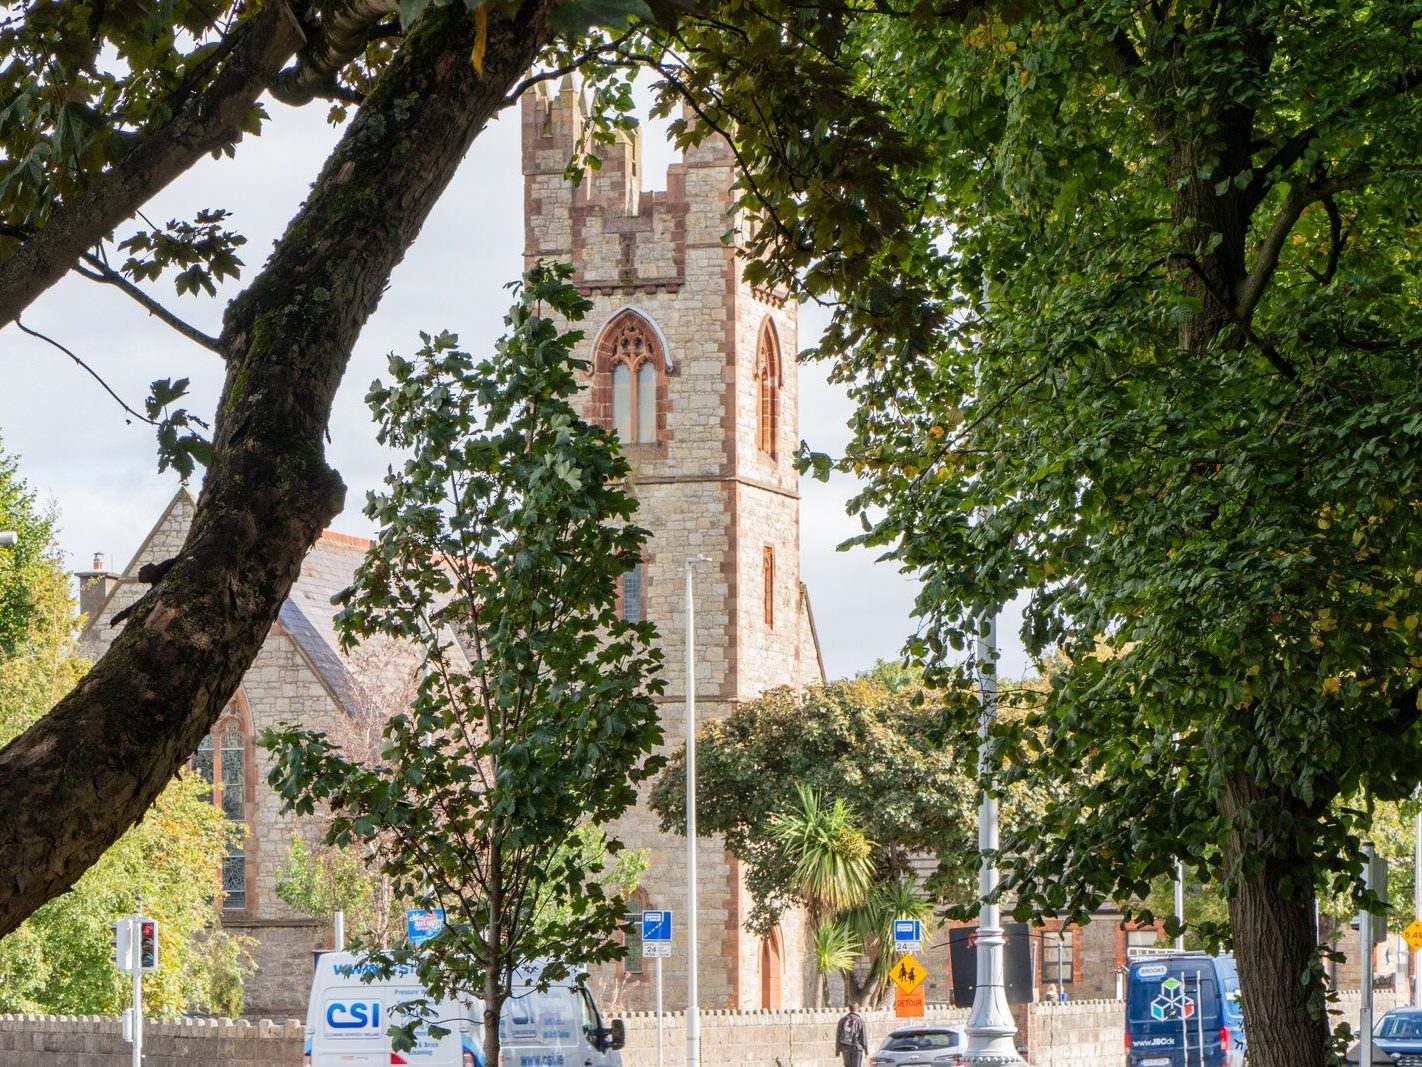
(991, 1030)
(693, 1011)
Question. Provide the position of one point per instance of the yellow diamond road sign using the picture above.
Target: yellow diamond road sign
(1413, 934)
(908, 974)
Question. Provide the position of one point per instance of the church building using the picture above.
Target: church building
(696, 372)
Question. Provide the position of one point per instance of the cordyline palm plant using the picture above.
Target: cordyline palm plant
(836, 949)
(872, 923)
(834, 866)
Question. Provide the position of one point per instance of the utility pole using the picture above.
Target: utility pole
(136, 929)
(693, 1010)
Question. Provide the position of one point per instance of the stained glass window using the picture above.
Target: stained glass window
(234, 758)
(221, 759)
(632, 594)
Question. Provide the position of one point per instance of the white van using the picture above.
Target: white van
(347, 1022)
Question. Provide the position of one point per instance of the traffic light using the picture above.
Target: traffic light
(122, 941)
(147, 944)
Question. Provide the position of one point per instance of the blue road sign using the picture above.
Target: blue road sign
(656, 926)
(908, 930)
(423, 925)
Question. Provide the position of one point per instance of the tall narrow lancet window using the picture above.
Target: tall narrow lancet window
(646, 402)
(622, 402)
(629, 387)
(631, 604)
(221, 759)
(768, 382)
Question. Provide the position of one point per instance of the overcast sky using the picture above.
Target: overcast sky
(76, 450)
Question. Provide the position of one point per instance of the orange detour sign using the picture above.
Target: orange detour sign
(908, 1005)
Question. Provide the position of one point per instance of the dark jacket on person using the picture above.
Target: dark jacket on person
(851, 1035)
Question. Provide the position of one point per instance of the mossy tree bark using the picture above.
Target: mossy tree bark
(89, 770)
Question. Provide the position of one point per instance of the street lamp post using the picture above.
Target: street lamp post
(991, 1029)
(693, 1011)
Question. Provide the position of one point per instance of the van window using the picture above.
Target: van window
(591, 1021)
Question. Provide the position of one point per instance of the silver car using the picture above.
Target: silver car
(922, 1046)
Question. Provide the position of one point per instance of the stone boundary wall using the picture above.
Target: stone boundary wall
(1079, 1033)
(763, 1038)
(1085, 1033)
(97, 1041)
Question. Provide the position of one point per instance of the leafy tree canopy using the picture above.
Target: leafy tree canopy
(894, 760)
(1173, 400)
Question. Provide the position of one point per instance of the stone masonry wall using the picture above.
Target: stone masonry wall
(1077, 1034)
(26, 1040)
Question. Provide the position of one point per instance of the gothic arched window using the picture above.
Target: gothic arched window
(768, 378)
(222, 760)
(628, 384)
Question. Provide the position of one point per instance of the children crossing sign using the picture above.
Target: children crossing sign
(908, 974)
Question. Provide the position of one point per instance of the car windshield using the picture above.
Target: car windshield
(920, 1042)
(1400, 1027)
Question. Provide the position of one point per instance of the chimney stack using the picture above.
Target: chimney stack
(95, 586)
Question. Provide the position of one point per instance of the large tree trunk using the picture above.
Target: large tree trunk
(1273, 940)
(84, 774)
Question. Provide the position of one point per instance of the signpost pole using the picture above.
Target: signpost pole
(1365, 933)
(659, 1012)
(693, 1009)
(136, 959)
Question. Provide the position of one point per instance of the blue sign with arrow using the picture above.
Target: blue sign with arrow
(656, 926)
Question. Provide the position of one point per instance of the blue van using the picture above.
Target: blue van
(1182, 1010)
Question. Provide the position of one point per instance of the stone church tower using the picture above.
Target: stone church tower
(696, 371)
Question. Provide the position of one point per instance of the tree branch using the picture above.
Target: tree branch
(99, 271)
(1336, 239)
(82, 775)
(212, 119)
(1271, 353)
(340, 34)
(1250, 289)
(1292, 150)
(130, 412)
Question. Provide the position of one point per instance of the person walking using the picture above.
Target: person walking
(851, 1039)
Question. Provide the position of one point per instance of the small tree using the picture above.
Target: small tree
(504, 534)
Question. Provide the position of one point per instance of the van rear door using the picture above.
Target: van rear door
(1173, 1014)
(350, 1023)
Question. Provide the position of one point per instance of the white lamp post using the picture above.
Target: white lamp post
(1417, 905)
(991, 1030)
(693, 1011)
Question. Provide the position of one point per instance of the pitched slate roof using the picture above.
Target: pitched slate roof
(309, 617)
